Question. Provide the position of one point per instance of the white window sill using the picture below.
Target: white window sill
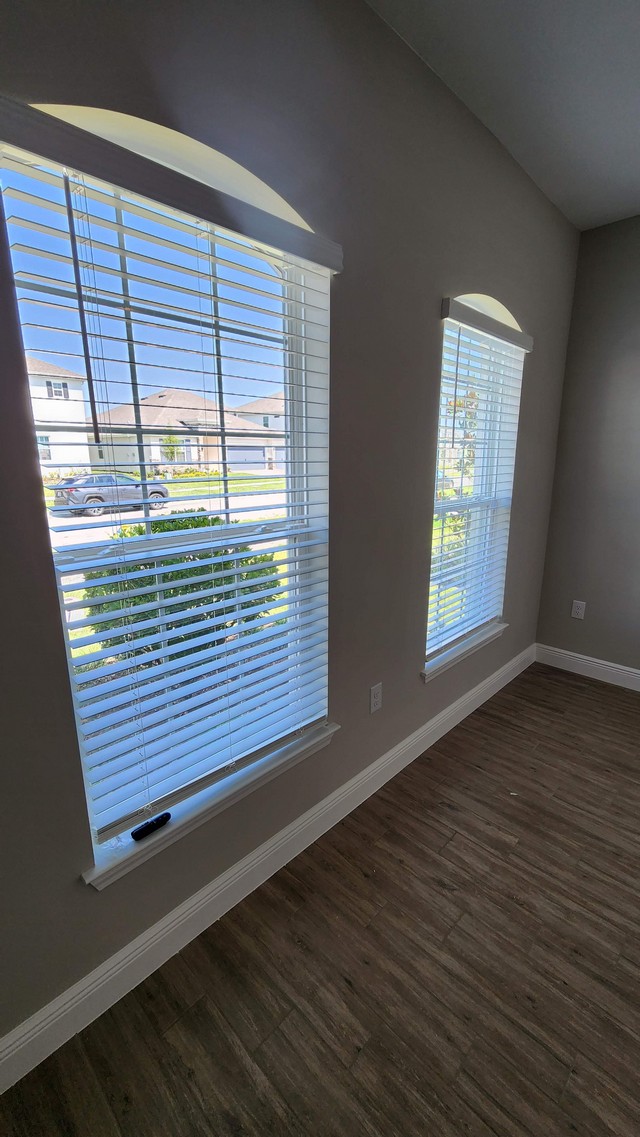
(117, 857)
(461, 650)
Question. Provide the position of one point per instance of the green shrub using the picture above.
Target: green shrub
(194, 472)
(54, 476)
(243, 572)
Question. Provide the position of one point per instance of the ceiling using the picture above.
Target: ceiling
(557, 81)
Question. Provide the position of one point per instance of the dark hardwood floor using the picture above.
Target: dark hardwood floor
(460, 956)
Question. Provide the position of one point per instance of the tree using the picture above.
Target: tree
(465, 409)
(170, 447)
(206, 588)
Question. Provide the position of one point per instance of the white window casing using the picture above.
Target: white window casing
(194, 607)
(477, 436)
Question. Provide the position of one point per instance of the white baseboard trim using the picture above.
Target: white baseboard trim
(40, 1035)
(586, 665)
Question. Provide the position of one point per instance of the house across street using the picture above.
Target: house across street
(173, 433)
(173, 428)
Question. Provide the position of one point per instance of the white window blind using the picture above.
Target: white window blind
(189, 539)
(477, 435)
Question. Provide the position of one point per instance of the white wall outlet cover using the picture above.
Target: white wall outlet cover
(375, 698)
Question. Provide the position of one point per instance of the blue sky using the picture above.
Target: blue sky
(169, 352)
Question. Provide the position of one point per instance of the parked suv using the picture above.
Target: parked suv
(97, 492)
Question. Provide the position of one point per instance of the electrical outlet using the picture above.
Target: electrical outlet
(375, 698)
(578, 609)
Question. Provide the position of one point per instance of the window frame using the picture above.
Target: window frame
(41, 134)
(57, 389)
(44, 443)
(490, 505)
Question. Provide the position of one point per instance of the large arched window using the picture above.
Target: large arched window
(482, 363)
(185, 470)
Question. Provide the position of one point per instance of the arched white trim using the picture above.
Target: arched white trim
(486, 315)
(178, 152)
(489, 307)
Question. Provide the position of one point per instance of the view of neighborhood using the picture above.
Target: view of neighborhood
(176, 423)
(178, 377)
(173, 438)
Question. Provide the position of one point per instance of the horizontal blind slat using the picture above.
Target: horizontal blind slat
(207, 777)
(162, 735)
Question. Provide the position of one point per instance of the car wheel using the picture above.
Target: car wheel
(94, 506)
(156, 500)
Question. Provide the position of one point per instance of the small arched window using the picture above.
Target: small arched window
(482, 363)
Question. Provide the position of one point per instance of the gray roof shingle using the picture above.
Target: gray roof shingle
(178, 408)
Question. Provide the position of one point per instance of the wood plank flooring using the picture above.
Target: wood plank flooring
(460, 956)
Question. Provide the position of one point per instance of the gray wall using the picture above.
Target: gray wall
(594, 536)
(324, 103)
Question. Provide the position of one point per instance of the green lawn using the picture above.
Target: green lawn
(238, 483)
